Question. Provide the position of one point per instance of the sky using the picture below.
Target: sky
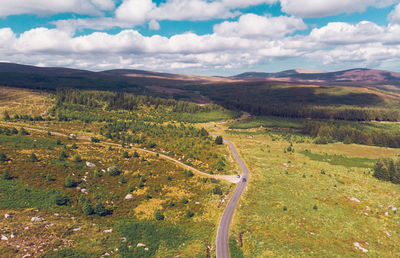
(203, 37)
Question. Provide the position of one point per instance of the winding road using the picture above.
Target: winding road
(226, 219)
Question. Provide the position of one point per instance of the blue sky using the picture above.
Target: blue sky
(220, 37)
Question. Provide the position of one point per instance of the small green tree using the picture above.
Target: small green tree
(74, 146)
(22, 131)
(184, 200)
(94, 139)
(123, 180)
(158, 215)
(61, 199)
(58, 142)
(62, 155)
(217, 190)
(220, 165)
(77, 158)
(6, 116)
(99, 209)
(7, 175)
(219, 140)
(97, 173)
(87, 208)
(141, 182)
(125, 155)
(3, 156)
(135, 154)
(381, 170)
(14, 130)
(33, 158)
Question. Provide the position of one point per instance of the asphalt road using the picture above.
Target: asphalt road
(225, 222)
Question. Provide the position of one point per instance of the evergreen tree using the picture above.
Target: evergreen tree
(62, 155)
(125, 155)
(381, 170)
(219, 140)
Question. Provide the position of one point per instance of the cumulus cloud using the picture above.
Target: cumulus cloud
(394, 16)
(251, 25)
(48, 7)
(318, 8)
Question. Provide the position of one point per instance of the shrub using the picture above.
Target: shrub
(158, 215)
(14, 130)
(315, 207)
(123, 180)
(69, 182)
(284, 208)
(22, 131)
(188, 173)
(148, 197)
(6, 116)
(189, 213)
(58, 142)
(135, 154)
(74, 146)
(220, 165)
(141, 182)
(99, 209)
(97, 173)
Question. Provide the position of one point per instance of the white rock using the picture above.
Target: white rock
(140, 245)
(76, 229)
(146, 249)
(108, 230)
(56, 214)
(358, 246)
(90, 164)
(12, 235)
(83, 190)
(386, 213)
(197, 203)
(7, 215)
(387, 233)
(354, 199)
(129, 196)
(393, 208)
(36, 219)
(4, 238)
(123, 239)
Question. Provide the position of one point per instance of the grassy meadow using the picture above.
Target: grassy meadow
(305, 199)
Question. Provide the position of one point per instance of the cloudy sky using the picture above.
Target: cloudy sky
(207, 37)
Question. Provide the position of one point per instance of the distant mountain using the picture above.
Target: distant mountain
(350, 77)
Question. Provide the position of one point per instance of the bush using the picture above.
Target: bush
(114, 171)
(99, 209)
(184, 200)
(189, 213)
(123, 180)
(14, 130)
(69, 182)
(219, 140)
(158, 215)
(188, 173)
(217, 190)
(61, 199)
(135, 154)
(97, 173)
(387, 170)
(74, 146)
(141, 182)
(94, 139)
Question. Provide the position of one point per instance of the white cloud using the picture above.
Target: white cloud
(251, 25)
(134, 11)
(321, 8)
(48, 7)
(394, 16)
(340, 33)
